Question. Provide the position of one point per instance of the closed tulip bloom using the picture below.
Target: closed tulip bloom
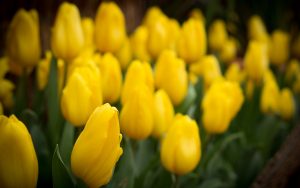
(138, 42)
(124, 54)
(173, 33)
(286, 104)
(97, 149)
(163, 113)
(152, 15)
(270, 97)
(257, 30)
(197, 14)
(217, 35)
(170, 74)
(87, 25)
(110, 31)
(23, 38)
(81, 95)
(111, 78)
(137, 113)
(137, 73)
(181, 147)
(229, 50)
(279, 47)
(18, 164)
(235, 74)
(220, 105)
(191, 44)
(292, 70)
(256, 60)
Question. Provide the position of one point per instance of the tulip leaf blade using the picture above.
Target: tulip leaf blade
(66, 142)
(188, 100)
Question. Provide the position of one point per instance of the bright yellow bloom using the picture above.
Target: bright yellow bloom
(279, 47)
(124, 54)
(191, 44)
(193, 78)
(235, 74)
(220, 105)
(208, 67)
(111, 78)
(217, 35)
(18, 161)
(87, 25)
(152, 15)
(173, 33)
(197, 14)
(170, 75)
(249, 90)
(137, 113)
(256, 60)
(97, 149)
(269, 100)
(229, 50)
(110, 31)
(138, 42)
(257, 30)
(23, 38)
(293, 75)
(4, 67)
(81, 95)
(67, 38)
(163, 113)
(181, 147)
(286, 104)
(137, 73)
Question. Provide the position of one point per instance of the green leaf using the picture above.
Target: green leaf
(212, 183)
(66, 142)
(188, 101)
(20, 97)
(60, 173)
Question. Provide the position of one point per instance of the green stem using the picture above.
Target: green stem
(175, 180)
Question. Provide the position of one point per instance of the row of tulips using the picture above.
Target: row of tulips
(194, 113)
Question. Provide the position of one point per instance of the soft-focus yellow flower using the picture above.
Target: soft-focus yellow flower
(269, 100)
(193, 78)
(293, 75)
(81, 95)
(286, 104)
(229, 50)
(97, 149)
(138, 42)
(111, 78)
(6, 92)
(249, 90)
(217, 35)
(170, 74)
(18, 164)
(220, 105)
(87, 25)
(4, 66)
(23, 38)
(181, 147)
(163, 113)
(67, 37)
(137, 73)
(257, 30)
(173, 33)
(208, 67)
(279, 47)
(256, 60)
(197, 14)
(110, 31)
(152, 15)
(235, 74)
(137, 113)
(124, 54)
(191, 44)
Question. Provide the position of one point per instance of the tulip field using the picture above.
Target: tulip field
(190, 101)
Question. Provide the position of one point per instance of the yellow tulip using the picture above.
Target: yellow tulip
(173, 33)
(181, 147)
(193, 78)
(249, 90)
(18, 164)
(191, 44)
(235, 74)
(229, 50)
(138, 42)
(111, 78)
(4, 66)
(208, 67)
(293, 75)
(152, 15)
(110, 31)
(279, 47)
(137, 73)
(197, 14)
(256, 60)
(220, 105)
(23, 38)
(286, 104)
(270, 97)
(137, 113)
(163, 113)
(81, 95)
(6, 92)
(124, 54)
(170, 75)
(217, 35)
(97, 149)
(87, 25)
(257, 30)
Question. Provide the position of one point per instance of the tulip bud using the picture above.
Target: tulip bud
(257, 30)
(170, 75)
(18, 164)
(67, 38)
(191, 44)
(81, 95)
(163, 113)
(124, 54)
(23, 38)
(137, 113)
(279, 47)
(270, 97)
(235, 74)
(217, 35)
(102, 131)
(87, 25)
(292, 70)
(138, 42)
(286, 104)
(228, 51)
(110, 31)
(197, 14)
(256, 60)
(6, 92)
(4, 67)
(220, 105)
(111, 78)
(173, 33)
(181, 147)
